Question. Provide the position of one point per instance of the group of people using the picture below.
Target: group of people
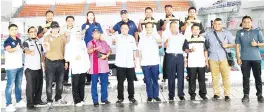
(84, 51)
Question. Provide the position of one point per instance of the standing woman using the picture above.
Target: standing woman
(87, 31)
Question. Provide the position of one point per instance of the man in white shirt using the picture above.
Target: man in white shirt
(197, 61)
(149, 60)
(175, 61)
(126, 62)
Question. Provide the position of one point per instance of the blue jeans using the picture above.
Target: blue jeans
(104, 85)
(151, 75)
(14, 76)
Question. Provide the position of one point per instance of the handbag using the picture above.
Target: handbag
(229, 55)
(98, 53)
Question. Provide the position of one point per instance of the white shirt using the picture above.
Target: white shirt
(196, 58)
(188, 29)
(175, 44)
(125, 47)
(77, 48)
(71, 32)
(149, 49)
(33, 62)
(13, 60)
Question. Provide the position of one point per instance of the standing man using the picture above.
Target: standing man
(149, 61)
(14, 68)
(149, 18)
(217, 58)
(131, 25)
(69, 31)
(34, 76)
(249, 40)
(197, 61)
(55, 65)
(175, 61)
(126, 51)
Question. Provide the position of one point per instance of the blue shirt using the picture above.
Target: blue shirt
(11, 42)
(131, 24)
(88, 34)
(215, 50)
(244, 38)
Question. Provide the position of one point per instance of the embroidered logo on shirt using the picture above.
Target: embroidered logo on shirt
(13, 43)
(242, 33)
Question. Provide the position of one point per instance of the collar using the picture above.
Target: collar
(246, 30)
(151, 18)
(128, 20)
(193, 36)
(12, 38)
(30, 39)
(188, 18)
(167, 16)
(221, 30)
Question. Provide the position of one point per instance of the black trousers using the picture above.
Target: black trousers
(193, 71)
(88, 77)
(122, 74)
(34, 86)
(246, 68)
(54, 70)
(66, 74)
(164, 68)
(78, 83)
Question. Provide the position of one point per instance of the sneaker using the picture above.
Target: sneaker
(20, 104)
(171, 99)
(193, 98)
(49, 104)
(260, 99)
(106, 102)
(133, 100)
(119, 101)
(82, 102)
(204, 98)
(157, 99)
(96, 104)
(227, 99)
(182, 98)
(10, 108)
(31, 107)
(245, 98)
(216, 97)
(79, 104)
(60, 101)
(149, 100)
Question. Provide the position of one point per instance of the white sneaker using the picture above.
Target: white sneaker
(79, 104)
(49, 104)
(20, 104)
(82, 102)
(10, 108)
(60, 102)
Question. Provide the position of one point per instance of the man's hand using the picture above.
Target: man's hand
(239, 61)
(32, 53)
(86, 27)
(254, 43)
(207, 63)
(66, 66)
(224, 45)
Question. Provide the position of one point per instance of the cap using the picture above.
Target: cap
(96, 29)
(123, 12)
(54, 24)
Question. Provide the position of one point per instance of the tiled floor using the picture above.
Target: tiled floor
(140, 94)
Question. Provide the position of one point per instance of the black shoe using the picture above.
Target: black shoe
(182, 98)
(163, 80)
(96, 104)
(41, 103)
(193, 98)
(171, 99)
(65, 82)
(260, 99)
(245, 98)
(157, 99)
(149, 100)
(88, 83)
(106, 102)
(133, 100)
(204, 98)
(31, 107)
(216, 97)
(227, 99)
(119, 101)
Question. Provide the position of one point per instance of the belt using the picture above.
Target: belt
(175, 54)
(61, 60)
